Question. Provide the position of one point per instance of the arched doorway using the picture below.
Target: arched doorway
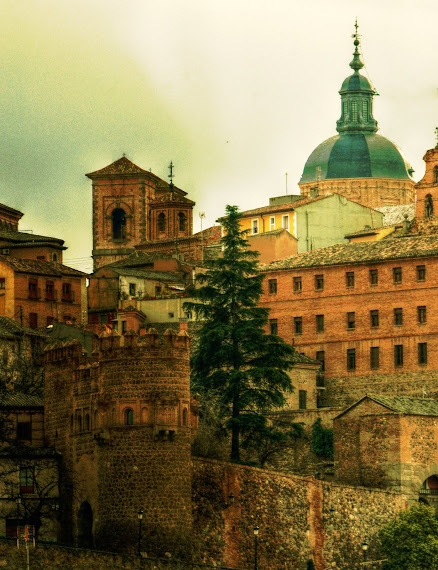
(429, 492)
(85, 526)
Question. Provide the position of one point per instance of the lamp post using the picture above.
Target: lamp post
(256, 533)
(140, 518)
(365, 548)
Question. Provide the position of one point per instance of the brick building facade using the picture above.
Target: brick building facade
(133, 206)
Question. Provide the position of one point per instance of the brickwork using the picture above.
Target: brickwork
(371, 192)
(345, 309)
(133, 206)
(123, 421)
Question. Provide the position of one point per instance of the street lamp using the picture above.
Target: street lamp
(256, 533)
(365, 548)
(140, 518)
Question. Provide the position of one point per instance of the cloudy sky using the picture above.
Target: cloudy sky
(235, 92)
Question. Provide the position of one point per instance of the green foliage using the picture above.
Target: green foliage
(269, 437)
(410, 540)
(322, 440)
(236, 363)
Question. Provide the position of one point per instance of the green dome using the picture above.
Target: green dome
(356, 82)
(356, 155)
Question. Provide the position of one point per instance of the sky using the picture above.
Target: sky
(236, 93)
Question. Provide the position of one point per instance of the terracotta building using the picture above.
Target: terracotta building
(358, 162)
(132, 206)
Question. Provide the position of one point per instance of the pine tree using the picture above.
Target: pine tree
(236, 362)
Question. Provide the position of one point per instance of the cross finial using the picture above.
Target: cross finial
(171, 175)
(356, 26)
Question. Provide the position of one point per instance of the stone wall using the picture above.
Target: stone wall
(300, 518)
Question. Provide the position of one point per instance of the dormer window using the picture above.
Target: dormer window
(119, 223)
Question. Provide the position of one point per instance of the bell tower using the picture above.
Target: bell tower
(132, 206)
(427, 188)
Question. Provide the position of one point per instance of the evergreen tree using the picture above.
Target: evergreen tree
(236, 362)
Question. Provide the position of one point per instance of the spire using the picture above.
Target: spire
(356, 98)
(356, 62)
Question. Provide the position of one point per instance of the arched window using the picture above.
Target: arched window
(79, 423)
(428, 206)
(119, 223)
(128, 415)
(54, 257)
(161, 225)
(185, 415)
(435, 175)
(365, 110)
(87, 422)
(181, 222)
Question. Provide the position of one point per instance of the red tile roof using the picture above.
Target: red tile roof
(38, 267)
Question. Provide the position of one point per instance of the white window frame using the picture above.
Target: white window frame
(283, 218)
(255, 226)
(271, 223)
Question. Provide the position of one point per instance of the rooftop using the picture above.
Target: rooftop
(402, 247)
(38, 267)
(402, 405)
(11, 329)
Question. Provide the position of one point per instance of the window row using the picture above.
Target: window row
(374, 357)
(181, 221)
(397, 277)
(50, 293)
(255, 224)
(34, 324)
(350, 320)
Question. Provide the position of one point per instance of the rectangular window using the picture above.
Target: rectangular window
(2, 282)
(298, 325)
(374, 357)
(374, 318)
(398, 317)
(351, 320)
(49, 321)
(374, 277)
(421, 273)
(33, 289)
(132, 289)
(124, 325)
(398, 355)
(24, 431)
(66, 292)
(421, 314)
(254, 227)
(272, 286)
(297, 283)
(33, 320)
(285, 222)
(319, 323)
(319, 282)
(422, 353)
(26, 480)
(349, 279)
(320, 355)
(302, 399)
(50, 290)
(351, 359)
(397, 274)
(271, 223)
(158, 291)
(273, 326)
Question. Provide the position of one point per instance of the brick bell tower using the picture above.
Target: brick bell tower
(133, 206)
(427, 190)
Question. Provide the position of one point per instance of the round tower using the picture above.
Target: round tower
(127, 441)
